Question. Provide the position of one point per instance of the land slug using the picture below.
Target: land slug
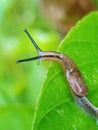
(73, 75)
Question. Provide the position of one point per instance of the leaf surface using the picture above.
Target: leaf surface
(56, 109)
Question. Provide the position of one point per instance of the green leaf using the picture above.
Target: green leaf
(56, 110)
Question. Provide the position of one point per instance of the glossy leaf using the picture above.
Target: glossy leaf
(56, 110)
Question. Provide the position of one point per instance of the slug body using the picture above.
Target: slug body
(86, 106)
(73, 75)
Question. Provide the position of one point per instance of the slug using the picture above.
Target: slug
(73, 75)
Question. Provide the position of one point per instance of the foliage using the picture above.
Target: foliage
(56, 109)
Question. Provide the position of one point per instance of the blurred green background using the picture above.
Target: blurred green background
(18, 81)
(20, 84)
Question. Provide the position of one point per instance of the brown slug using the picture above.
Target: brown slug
(73, 75)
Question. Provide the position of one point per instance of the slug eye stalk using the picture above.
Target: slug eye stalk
(36, 47)
(32, 40)
(41, 54)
